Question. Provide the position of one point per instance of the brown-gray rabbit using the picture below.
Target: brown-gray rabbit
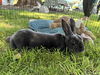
(30, 39)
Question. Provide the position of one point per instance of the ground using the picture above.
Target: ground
(40, 61)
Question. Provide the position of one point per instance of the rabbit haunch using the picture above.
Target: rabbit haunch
(31, 39)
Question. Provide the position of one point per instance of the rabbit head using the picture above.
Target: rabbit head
(73, 41)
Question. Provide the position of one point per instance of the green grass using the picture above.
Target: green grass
(40, 61)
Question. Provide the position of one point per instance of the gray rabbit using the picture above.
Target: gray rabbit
(27, 38)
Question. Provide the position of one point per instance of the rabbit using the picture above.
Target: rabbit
(57, 22)
(30, 39)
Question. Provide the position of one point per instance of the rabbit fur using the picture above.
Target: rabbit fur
(57, 22)
(30, 39)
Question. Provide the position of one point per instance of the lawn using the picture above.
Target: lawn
(40, 61)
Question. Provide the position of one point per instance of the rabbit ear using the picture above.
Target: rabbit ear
(66, 28)
(72, 25)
